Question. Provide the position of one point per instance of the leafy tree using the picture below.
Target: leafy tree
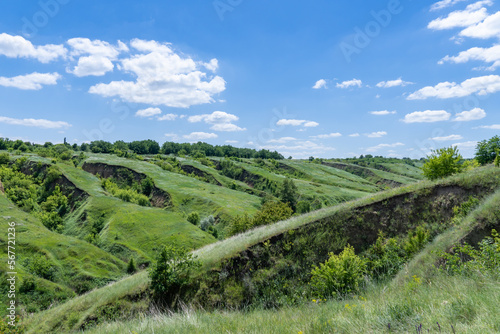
(340, 274)
(131, 266)
(272, 212)
(303, 207)
(443, 162)
(194, 218)
(288, 193)
(171, 270)
(4, 158)
(486, 150)
(497, 159)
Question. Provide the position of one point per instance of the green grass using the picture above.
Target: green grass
(212, 254)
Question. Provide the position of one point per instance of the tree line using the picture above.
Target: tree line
(143, 147)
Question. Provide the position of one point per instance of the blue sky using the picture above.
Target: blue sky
(323, 78)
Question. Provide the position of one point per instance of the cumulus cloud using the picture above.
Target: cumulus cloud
(19, 47)
(85, 46)
(382, 112)
(470, 115)
(354, 135)
(450, 137)
(297, 122)
(350, 83)
(195, 136)
(480, 85)
(466, 145)
(489, 28)
(163, 77)
(428, 116)
(92, 65)
(321, 83)
(168, 117)
(37, 123)
(487, 55)
(377, 134)
(282, 140)
(473, 13)
(394, 83)
(149, 112)
(220, 120)
(33, 81)
(444, 4)
(490, 127)
(382, 146)
(326, 136)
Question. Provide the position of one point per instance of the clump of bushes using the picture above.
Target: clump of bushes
(128, 195)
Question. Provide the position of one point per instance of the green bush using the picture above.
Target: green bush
(131, 268)
(416, 240)
(4, 158)
(288, 193)
(443, 162)
(303, 207)
(171, 270)
(194, 218)
(339, 275)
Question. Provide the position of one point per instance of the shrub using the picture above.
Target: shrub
(194, 218)
(38, 265)
(416, 240)
(131, 266)
(4, 158)
(206, 223)
(272, 212)
(340, 274)
(303, 207)
(385, 257)
(171, 270)
(288, 193)
(443, 162)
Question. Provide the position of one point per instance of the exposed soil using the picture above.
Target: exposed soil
(364, 173)
(198, 172)
(159, 198)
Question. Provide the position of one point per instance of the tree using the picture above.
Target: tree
(443, 162)
(193, 218)
(486, 150)
(171, 270)
(288, 193)
(131, 266)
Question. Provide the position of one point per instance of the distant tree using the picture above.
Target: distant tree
(443, 162)
(486, 150)
(194, 218)
(131, 266)
(288, 193)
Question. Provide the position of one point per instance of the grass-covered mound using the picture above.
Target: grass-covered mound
(278, 255)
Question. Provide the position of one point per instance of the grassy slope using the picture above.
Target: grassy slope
(189, 194)
(434, 300)
(130, 228)
(212, 254)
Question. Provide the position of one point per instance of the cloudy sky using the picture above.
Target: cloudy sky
(323, 78)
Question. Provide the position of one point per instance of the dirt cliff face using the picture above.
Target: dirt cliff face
(198, 172)
(159, 197)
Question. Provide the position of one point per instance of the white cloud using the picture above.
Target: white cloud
(470, 115)
(487, 55)
(149, 112)
(92, 65)
(444, 4)
(81, 46)
(232, 141)
(490, 127)
(321, 83)
(172, 136)
(163, 77)
(282, 140)
(354, 135)
(473, 13)
(466, 145)
(480, 85)
(195, 136)
(377, 134)
(18, 47)
(212, 66)
(37, 123)
(33, 81)
(228, 127)
(297, 122)
(489, 28)
(382, 112)
(168, 117)
(220, 120)
(393, 83)
(381, 146)
(350, 83)
(326, 136)
(450, 137)
(428, 116)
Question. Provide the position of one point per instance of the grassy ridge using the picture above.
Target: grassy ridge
(211, 255)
